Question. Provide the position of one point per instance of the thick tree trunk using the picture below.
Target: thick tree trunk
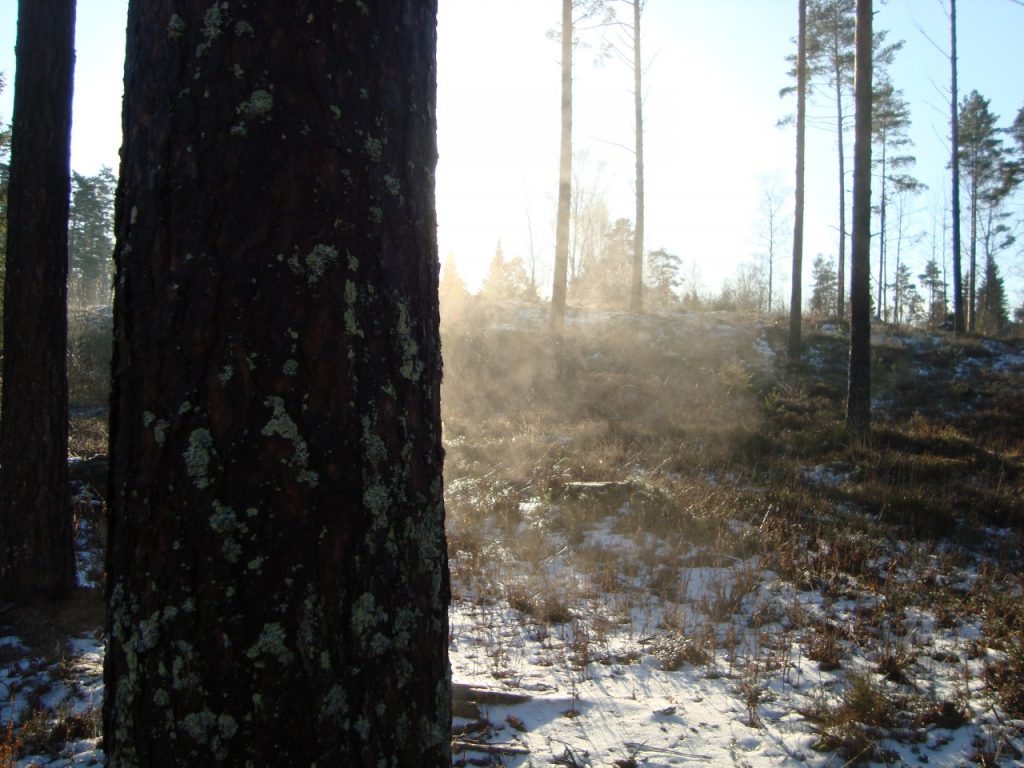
(858, 402)
(276, 573)
(958, 291)
(796, 292)
(637, 283)
(560, 287)
(36, 540)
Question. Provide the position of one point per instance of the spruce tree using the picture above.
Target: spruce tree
(993, 310)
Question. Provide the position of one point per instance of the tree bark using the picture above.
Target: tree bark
(882, 298)
(972, 251)
(36, 540)
(841, 267)
(858, 402)
(276, 573)
(637, 283)
(796, 292)
(958, 292)
(560, 287)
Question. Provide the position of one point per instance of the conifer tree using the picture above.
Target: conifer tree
(984, 172)
(796, 274)
(993, 311)
(276, 571)
(823, 287)
(91, 236)
(890, 123)
(36, 536)
(858, 395)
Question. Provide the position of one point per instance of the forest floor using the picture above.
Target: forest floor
(666, 551)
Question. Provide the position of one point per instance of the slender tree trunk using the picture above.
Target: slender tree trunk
(972, 308)
(276, 570)
(958, 292)
(858, 402)
(796, 290)
(636, 294)
(900, 218)
(560, 287)
(880, 307)
(36, 539)
(841, 267)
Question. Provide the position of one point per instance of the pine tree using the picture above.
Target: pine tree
(276, 570)
(889, 125)
(5, 147)
(560, 286)
(36, 537)
(796, 274)
(982, 163)
(91, 236)
(663, 279)
(573, 13)
(858, 396)
(831, 27)
(959, 316)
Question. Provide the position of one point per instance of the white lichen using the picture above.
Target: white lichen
(175, 29)
(271, 642)
(412, 366)
(160, 431)
(259, 105)
(197, 457)
(315, 263)
(282, 425)
(374, 149)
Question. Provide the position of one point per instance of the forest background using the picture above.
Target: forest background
(712, 77)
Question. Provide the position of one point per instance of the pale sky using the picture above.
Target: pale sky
(713, 72)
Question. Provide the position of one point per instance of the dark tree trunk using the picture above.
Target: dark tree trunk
(276, 572)
(796, 293)
(637, 284)
(558, 290)
(36, 540)
(958, 291)
(858, 402)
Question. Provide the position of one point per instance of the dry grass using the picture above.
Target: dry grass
(676, 474)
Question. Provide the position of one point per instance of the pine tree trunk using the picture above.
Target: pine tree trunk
(858, 402)
(36, 539)
(972, 290)
(560, 287)
(276, 573)
(841, 268)
(958, 291)
(796, 292)
(637, 283)
(880, 305)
